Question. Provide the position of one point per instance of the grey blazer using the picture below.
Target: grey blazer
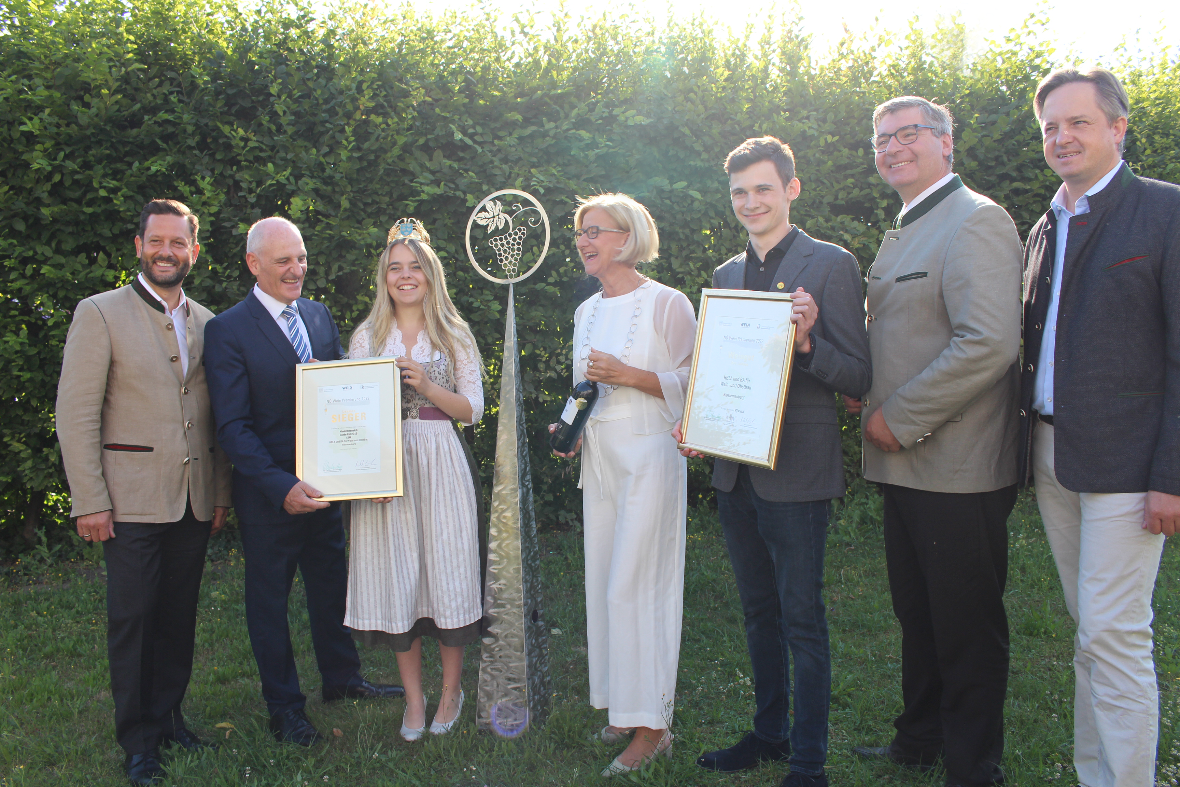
(944, 327)
(810, 465)
(1116, 414)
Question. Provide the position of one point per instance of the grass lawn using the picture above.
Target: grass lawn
(56, 716)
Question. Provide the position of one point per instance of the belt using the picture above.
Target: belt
(1045, 419)
(432, 414)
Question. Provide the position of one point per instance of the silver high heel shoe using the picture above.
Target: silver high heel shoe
(664, 747)
(610, 738)
(411, 734)
(438, 728)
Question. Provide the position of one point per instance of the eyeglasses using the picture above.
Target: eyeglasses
(905, 135)
(592, 232)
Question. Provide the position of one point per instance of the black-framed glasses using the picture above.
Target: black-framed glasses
(592, 232)
(905, 135)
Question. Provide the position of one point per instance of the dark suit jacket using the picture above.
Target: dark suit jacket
(1116, 408)
(250, 365)
(810, 465)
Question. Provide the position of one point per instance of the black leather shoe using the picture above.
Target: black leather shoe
(292, 726)
(922, 764)
(746, 753)
(145, 768)
(360, 689)
(185, 739)
(803, 780)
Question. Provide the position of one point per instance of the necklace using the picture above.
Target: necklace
(607, 390)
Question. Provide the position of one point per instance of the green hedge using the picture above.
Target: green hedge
(346, 123)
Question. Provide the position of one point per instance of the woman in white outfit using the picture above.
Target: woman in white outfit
(635, 340)
(414, 560)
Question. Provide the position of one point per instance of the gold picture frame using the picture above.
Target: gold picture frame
(348, 428)
(741, 371)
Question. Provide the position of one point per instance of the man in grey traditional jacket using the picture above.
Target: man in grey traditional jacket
(940, 435)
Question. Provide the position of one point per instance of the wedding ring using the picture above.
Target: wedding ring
(86, 536)
(589, 364)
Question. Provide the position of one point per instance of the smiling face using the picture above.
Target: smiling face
(599, 254)
(761, 202)
(911, 169)
(1081, 145)
(166, 250)
(280, 262)
(404, 278)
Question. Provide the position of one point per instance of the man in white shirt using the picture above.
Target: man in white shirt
(1100, 409)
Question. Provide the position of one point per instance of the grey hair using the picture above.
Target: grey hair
(1112, 98)
(254, 238)
(934, 114)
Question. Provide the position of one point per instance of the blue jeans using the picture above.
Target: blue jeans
(777, 553)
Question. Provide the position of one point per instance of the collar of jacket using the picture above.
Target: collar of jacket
(928, 204)
(146, 296)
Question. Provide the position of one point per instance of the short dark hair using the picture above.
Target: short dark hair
(1111, 95)
(1112, 98)
(758, 149)
(158, 207)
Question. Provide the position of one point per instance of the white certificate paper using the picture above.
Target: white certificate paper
(349, 429)
(738, 378)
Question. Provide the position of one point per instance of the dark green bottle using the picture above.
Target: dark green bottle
(574, 417)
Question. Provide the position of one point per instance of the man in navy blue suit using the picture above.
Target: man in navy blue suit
(250, 355)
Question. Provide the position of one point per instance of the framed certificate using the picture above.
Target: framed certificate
(741, 369)
(348, 428)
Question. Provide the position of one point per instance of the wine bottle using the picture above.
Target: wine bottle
(574, 417)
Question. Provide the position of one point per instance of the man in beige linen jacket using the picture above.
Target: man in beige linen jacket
(940, 435)
(146, 476)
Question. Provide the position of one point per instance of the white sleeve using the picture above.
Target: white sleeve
(676, 326)
(469, 380)
(358, 347)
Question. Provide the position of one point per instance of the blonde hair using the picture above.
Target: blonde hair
(644, 243)
(445, 327)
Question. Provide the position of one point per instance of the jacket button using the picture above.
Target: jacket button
(168, 326)
(185, 460)
(174, 358)
(188, 425)
(184, 389)
(871, 318)
(1037, 326)
(1030, 367)
(1046, 280)
(1023, 414)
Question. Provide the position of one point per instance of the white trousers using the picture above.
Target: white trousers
(1108, 565)
(634, 492)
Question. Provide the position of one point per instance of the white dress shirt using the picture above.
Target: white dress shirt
(1043, 382)
(945, 179)
(179, 317)
(275, 307)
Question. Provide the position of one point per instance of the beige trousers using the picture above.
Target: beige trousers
(1108, 565)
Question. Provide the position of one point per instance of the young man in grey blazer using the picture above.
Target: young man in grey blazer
(146, 476)
(775, 521)
(1100, 407)
(940, 431)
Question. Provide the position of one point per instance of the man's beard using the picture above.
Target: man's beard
(145, 265)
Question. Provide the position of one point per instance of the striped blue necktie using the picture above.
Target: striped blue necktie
(290, 315)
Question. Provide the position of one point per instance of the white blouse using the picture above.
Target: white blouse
(664, 339)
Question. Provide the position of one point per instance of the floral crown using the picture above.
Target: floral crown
(408, 229)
